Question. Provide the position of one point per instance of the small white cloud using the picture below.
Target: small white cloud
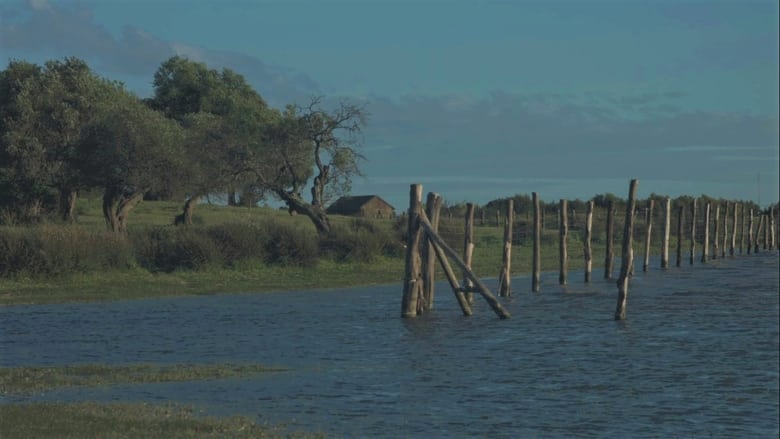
(39, 5)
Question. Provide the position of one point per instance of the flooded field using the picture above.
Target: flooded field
(697, 357)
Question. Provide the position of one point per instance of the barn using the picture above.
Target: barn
(368, 206)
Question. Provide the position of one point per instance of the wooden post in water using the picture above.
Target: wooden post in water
(706, 242)
(443, 249)
(759, 229)
(648, 233)
(750, 232)
(468, 250)
(733, 243)
(716, 233)
(742, 227)
(412, 272)
(505, 278)
(433, 210)
(627, 255)
(680, 221)
(667, 227)
(588, 248)
(609, 259)
(772, 242)
(537, 256)
(693, 231)
(725, 231)
(765, 224)
(563, 228)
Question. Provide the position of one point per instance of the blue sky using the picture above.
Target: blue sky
(476, 99)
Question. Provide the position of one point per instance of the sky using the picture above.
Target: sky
(475, 99)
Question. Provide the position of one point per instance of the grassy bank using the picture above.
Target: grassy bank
(127, 420)
(234, 250)
(26, 380)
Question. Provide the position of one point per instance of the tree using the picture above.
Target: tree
(224, 117)
(129, 150)
(312, 144)
(43, 113)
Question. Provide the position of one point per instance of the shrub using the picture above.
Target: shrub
(168, 249)
(238, 241)
(288, 244)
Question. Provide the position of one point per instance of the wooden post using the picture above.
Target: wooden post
(717, 233)
(772, 242)
(667, 227)
(750, 232)
(725, 231)
(742, 227)
(706, 242)
(627, 255)
(648, 233)
(505, 278)
(433, 210)
(680, 221)
(759, 229)
(693, 231)
(537, 256)
(588, 238)
(609, 260)
(765, 224)
(733, 243)
(412, 272)
(468, 249)
(483, 216)
(482, 289)
(445, 265)
(563, 228)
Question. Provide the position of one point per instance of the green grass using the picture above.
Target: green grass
(26, 380)
(250, 276)
(127, 420)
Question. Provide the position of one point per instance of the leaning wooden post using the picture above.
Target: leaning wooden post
(433, 210)
(716, 232)
(537, 256)
(667, 227)
(588, 248)
(680, 221)
(412, 275)
(609, 259)
(478, 285)
(563, 228)
(648, 233)
(693, 231)
(733, 243)
(505, 278)
(468, 249)
(627, 256)
(706, 242)
(750, 232)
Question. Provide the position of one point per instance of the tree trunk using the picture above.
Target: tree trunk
(231, 197)
(117, 207)
(68, 205)
(316, 214)
(185, 218)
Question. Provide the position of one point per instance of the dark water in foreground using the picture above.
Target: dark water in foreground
(698, 356)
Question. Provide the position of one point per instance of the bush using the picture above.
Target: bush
(238, 242)
(56, 250)
(363, 240)
(168, 249)
(288, 244)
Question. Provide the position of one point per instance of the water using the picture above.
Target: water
(697, 357)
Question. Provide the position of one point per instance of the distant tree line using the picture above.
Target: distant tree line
(65, 130)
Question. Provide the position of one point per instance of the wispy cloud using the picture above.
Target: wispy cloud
(70, 28)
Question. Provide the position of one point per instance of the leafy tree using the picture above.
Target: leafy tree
(312, 144)
(44, 112)
(224, 117)
(129, 150)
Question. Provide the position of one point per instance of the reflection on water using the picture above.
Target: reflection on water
(697, 357)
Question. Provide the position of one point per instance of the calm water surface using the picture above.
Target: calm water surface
(697, 357)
